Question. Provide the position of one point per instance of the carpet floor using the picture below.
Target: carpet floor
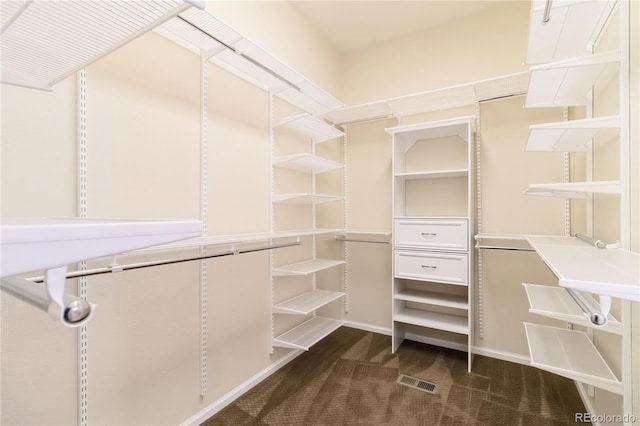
(350, 378)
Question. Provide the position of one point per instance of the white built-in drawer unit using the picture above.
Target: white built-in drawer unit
(450, 268)
(431, 234)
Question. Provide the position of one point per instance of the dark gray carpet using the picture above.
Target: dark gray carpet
(350, 378)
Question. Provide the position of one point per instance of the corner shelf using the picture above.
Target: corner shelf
(306, 162)
(34, 244)
(570, 354)
(574, 189)
(311, 126)
(571, 30)
(555, 302)
(307, 334)
(570, 136)
(567, 82)
(44, 42)
(436, 320)
(432, 174)
(581, 266)
(432, 298)
(306, 303)
(304, 198)
(307, 267)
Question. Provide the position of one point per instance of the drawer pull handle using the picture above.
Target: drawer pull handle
(431, 268)
(428, 234)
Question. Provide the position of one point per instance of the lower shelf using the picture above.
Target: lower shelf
(307, 334)
(306, 303)
(433, 298)
(437, 320)
(570, 354)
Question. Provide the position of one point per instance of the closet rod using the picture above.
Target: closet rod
(482, 246)
(547, 12)
(596, 316)
(237, 52)
(119, 268)
(354, 240)
(503, 237)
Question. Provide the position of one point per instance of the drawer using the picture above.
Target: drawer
(433, 234)
(450, 268)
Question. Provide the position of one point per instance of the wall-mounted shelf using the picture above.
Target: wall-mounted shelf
(574, 189)
(571, 136)
(311, 126)
(439, 321)
(307, 334)
(306, 303)
(304, 198)
(307, 267)
(34, 244)
(227, 47)
(568, 82)
(570, 354)
(581, 266)
(433, 298)
(306, 162)
(432, 174)
(43, 42)
(571, 31)
(555, 302)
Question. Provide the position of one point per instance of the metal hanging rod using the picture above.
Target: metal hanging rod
(547, 12)
(493, 247)
(597, 315)
(237, 52)
(354, 240)
(503, 238)
(119, 268)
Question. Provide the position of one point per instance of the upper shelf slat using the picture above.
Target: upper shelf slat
(581, 266)
(306, 162)
(571, 31)
(46, 41)
(574, 189)
(34, 244)
(311, 126)
(570, 136)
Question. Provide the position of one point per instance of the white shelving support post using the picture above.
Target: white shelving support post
(204, 116)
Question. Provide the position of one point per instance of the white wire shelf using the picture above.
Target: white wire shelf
(555, 302)
(307, 334)
(439, 174)
(433, 298)
(35, 244)
(437, 320)
(308, 302)
(571, 31)
(304, 198)
(584, 267)
(201, 30)
(571, 136)
(306, 162)
(311, 126)
(570, 354)
(574, 189)
(307, 267)
(568, 82)
(43, 42)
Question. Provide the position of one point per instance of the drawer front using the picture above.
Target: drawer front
(448, 268)
(431, 234)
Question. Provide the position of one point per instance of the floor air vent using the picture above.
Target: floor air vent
(418, 384)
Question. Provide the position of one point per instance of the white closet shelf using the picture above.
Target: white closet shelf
(439, 174)
(307, 334)
(571, 136)
(555, 302)
(224, 45)
(582, 266)
(306, 162)
(35, 244)
(311, 126)
(43, 42)
(570, 354)
(571, 31)
(304, 198)
(568, 82)
(574, 189)
(432, 298)
(306, 303)
(502, 241)
(433, 130)
(440, 321)
(307, 267)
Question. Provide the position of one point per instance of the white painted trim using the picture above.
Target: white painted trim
(504, 356)
(584, 396)
(436, 342)
(239, 390)
(368, 327)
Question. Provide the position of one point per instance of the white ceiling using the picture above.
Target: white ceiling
(351, 25)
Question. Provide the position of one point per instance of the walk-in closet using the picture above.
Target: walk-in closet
(319, 212)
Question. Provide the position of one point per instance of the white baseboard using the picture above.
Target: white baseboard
(436, 342)
(368, 327)
(238, 391)
(505, 356)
